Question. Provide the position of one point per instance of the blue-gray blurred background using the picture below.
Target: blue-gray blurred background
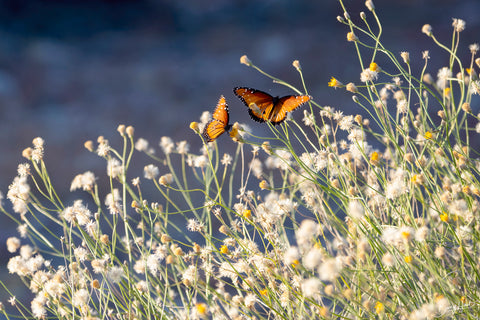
(71, 70)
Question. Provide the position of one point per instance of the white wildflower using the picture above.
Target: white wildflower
(368, 75)
(78, 213)
(291, 255)
(18, 194)
(13, 243)
(475, 87)
(307, 232)
(115, 273)
(114, 168)
(183, 147)
(150, 172)
(84, 181)
(444, 75)
(330, 270)
(458, 24)
(113, 201)
(190, 274)
(80, 297)
(313, 259)
(311, 287)
(141, 145)
(226, 160)
(167, 145)
(308, 118)
(356, 209)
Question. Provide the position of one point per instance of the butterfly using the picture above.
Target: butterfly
(264, 107)
(219, 124)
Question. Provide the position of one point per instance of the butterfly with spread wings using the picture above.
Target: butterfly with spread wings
(220, 122)
(264, 107)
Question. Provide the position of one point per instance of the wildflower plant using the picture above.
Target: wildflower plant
(336, 215)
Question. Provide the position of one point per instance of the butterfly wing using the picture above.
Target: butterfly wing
(284, 105)
(213, 130)
(220, 122)
(260, 104)
(221, 111)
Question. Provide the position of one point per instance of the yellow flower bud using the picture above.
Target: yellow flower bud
(351, 37)
(379, 307)
(334, 83)
(244, 60)
(194, 126)
(263, 184)
(374, 66)
(224, 249)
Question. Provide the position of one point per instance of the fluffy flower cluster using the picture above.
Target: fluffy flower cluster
(331, 218)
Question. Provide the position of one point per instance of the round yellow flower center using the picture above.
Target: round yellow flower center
(373, 66)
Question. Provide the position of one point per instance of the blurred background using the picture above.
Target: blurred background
(71, 70)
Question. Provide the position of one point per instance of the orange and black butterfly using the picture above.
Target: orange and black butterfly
(220, 122)
(263, 107)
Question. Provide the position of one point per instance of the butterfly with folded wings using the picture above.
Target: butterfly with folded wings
(219, 123)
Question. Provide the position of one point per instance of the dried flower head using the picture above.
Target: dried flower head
(89, 145)
(427, 29)
(244, 60)
(351, 37)
(352, 87)
(405, 56)
(296, 65)
(458, 25)
(266, 147)
(121, 129)
(13, 243)
(130, 131)
(166, 179)
(474, 47)
(466, 107)
(475, 87)
(27, 153)
(369, 4)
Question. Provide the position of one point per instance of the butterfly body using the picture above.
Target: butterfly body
(264, 107)
(219, 123)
